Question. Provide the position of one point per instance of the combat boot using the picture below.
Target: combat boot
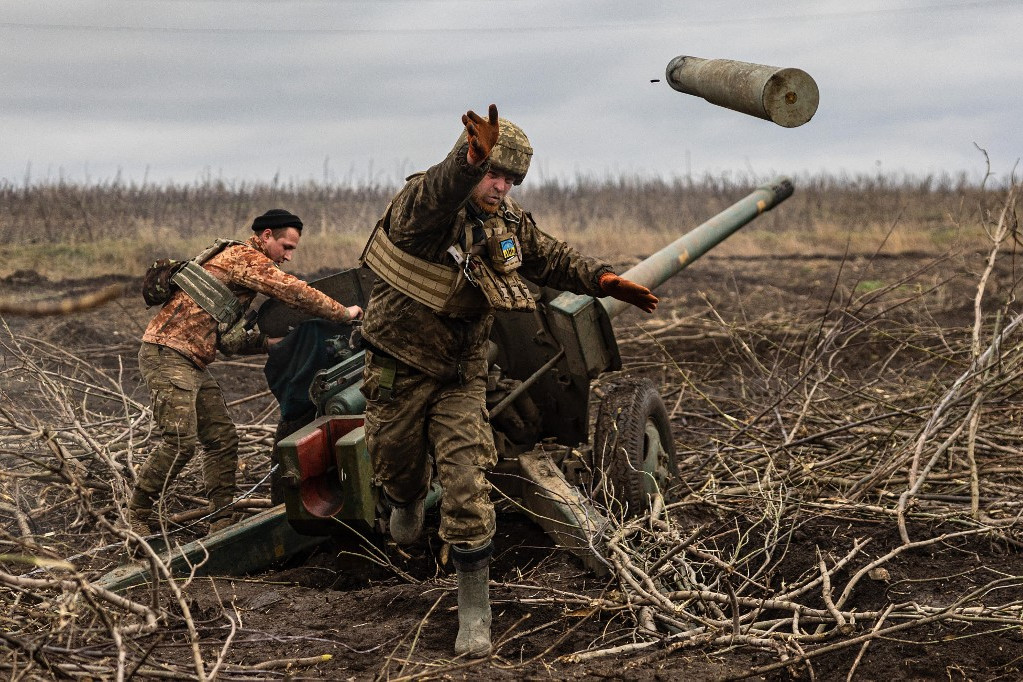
(140, 508)
(222, 510)
(407, 522)
(219, 524)
(474, 617)
(138, 522)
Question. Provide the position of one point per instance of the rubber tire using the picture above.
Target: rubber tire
(632, 431)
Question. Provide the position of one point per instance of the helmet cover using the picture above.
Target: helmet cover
(512, 151)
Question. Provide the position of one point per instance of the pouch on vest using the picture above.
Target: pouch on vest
(504, 251)
(157, 287)
(505, 291)
(240, 337)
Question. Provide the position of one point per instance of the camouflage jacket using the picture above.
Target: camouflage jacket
(246, 269)
(428, 215)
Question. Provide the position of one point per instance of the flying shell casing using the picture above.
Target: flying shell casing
(786, 96)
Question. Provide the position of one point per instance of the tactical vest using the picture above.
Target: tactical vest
(207, 291)
(483, 278)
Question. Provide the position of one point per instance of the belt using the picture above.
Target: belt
(390, 368)
(381, 358)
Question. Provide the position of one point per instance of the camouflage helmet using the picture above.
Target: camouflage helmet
(512, 151)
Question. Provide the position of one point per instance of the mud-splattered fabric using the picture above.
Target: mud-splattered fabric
(246, 269)
(188, 410)
(425, 415)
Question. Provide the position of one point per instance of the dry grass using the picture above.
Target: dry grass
(63, 229)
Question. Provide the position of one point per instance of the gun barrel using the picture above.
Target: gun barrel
(786, 96)
(676, 256)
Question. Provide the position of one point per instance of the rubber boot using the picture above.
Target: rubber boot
(407, 522)
(473, 568)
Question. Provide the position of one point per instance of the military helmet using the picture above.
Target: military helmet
(512, 151)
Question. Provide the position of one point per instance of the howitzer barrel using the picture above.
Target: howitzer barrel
(786, 96)
(676, 256)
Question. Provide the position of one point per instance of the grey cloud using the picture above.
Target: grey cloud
(384, 91)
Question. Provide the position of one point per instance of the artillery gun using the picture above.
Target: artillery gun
(569, 429)
(575, 437)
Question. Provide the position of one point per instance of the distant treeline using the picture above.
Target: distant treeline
(117, 225)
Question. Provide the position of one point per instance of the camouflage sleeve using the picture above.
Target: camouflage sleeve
(428, 201)
(240, 341)
(255, 344)
(551, 262)
(259, 273)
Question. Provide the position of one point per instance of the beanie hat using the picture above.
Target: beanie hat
(274, 218)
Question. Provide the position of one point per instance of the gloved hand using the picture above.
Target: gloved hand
(482, 134)
(638, 295)
(237, 340)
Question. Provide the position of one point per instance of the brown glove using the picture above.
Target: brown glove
(482, 134)
(638, 295)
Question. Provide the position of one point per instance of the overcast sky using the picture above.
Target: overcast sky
(370, 90)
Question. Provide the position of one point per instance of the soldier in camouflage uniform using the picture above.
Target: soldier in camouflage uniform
(425, 375)
(182, 339)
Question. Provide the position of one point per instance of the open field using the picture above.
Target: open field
(64, 230)
(844, 383)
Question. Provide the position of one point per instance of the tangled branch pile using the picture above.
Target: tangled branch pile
(71, 438)
(922, 439)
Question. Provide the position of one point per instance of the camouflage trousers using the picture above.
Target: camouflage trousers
(422, 423)
(188, 409)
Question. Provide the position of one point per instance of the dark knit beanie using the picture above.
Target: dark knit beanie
(274, 218)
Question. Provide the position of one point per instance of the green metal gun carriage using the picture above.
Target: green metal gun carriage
(575, 436)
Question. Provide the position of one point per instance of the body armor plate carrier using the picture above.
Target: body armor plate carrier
(472, 287)
(207, 291)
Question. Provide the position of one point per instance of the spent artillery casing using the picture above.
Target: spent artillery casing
(786, 96)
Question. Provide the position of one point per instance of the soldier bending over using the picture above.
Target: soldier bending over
(188, 405)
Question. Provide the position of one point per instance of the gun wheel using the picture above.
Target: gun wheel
(633, 449)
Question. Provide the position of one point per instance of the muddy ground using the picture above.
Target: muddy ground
(379, 621)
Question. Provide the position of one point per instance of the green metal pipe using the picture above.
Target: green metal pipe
(676, 256)
(518, 390)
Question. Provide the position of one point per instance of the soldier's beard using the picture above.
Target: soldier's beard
(477, 197)
(487, 208)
